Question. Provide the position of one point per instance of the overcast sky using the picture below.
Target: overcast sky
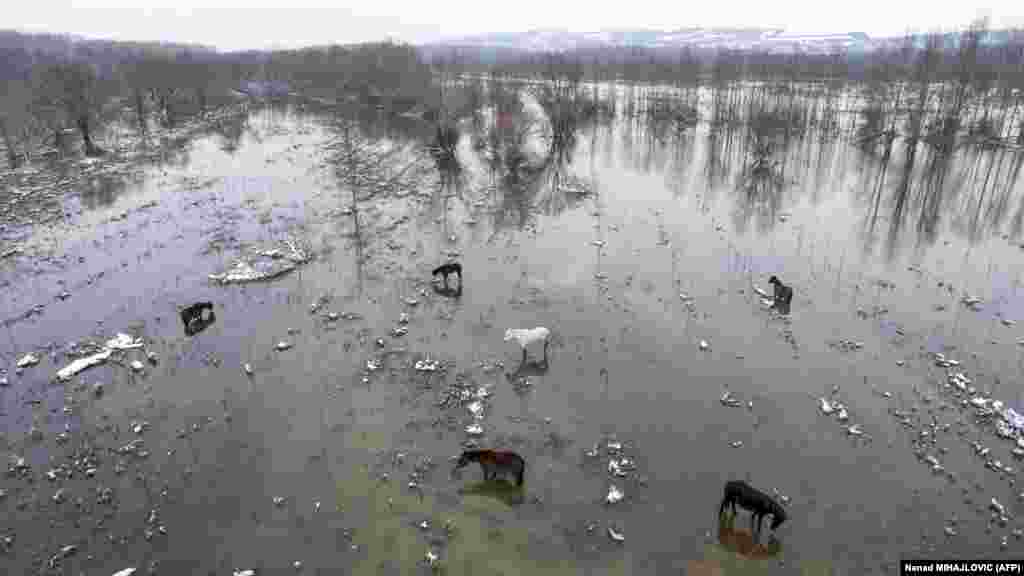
(238, 24)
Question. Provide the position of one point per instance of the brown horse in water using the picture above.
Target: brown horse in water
(742, 542)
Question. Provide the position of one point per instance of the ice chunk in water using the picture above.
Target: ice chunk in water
(616, 536)
(826, 407)
(727, 399)
(124, 342)
(28, 360)
(283, 345)
(474, 430)
(614, 495)
(136, 366)
(426, 365)
(83, 363)
(703, 345)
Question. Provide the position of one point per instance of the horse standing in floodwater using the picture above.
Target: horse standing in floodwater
(782, 295)
(495, 462)
(750, 498)
(195, 319)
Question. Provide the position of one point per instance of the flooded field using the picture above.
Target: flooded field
(310, 425)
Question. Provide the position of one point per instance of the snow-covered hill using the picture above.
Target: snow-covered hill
(773, 40)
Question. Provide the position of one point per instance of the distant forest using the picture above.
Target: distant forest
(57, 84)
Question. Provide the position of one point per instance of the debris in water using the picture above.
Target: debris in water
(251, 270)
(727, 399)
(854, 430)
(843, 416)
(703, 345)
(971, 302)
(826, 408)
(427, 365)
(431, 558)
(244, 573)
(616, 536)
(373, 364)
(247, 368)
(614, 495)
(950, 531)
(283, 345)
(137, 366)
(736, 444)
(124, 342)
(64, 552)
(411, 301)
(152, 357)
(3, 382)
(297, 565)
(28, 360)
(279, 501)
(474, 430)
(403, 318)
(997, 507)
(83, 363)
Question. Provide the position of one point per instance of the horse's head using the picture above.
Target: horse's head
(466, 457)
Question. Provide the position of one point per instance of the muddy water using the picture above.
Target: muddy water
(677, 251)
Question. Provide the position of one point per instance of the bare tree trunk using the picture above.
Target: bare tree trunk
(58, 140)
(91, 149)
(140, 108)
(12, 154)
(201, 99)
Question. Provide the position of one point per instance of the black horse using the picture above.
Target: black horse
(446, 269)
(196, 319)
(782, 295)
(750, 498)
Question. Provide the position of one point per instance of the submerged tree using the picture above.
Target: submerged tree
(71, 92)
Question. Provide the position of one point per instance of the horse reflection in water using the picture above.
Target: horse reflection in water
(742, 542)
(505, 492)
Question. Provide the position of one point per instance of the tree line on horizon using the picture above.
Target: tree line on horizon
(58, 83)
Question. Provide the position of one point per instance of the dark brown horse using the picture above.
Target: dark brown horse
(495, 462)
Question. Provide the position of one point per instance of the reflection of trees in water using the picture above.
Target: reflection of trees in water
(758, 196)
(974, 192)
(230, 131)
(100, 191)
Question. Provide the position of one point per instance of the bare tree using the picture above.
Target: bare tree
(14, 112)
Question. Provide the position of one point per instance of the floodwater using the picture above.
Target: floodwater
(315, 459)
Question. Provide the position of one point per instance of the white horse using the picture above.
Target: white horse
(527, 336)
